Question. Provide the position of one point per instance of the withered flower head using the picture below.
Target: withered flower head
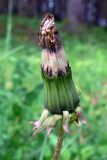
(49, 37)
(61, 98)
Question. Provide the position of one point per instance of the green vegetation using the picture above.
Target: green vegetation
(21, 94)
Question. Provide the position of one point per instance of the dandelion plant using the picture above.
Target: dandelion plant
(61, 100)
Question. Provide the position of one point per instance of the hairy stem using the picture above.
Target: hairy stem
(59, 144)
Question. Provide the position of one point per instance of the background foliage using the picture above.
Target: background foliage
(21, 92)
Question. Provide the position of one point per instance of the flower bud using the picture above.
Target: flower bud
(60, 92)
(61, 97)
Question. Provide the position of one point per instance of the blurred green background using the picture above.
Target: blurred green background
(21, 85)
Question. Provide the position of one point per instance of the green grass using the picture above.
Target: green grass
(21, 94)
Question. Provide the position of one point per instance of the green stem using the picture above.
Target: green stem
(59, 144)
(9, 26)
(43, 148)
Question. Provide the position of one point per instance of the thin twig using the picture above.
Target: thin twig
(59, 144)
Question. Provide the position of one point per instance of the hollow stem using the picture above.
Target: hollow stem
(59, 144)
